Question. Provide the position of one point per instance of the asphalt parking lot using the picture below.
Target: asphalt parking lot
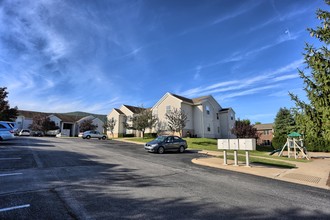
(71, 178)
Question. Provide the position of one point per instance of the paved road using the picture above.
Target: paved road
(52, 178)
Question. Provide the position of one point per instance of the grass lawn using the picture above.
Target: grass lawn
(211, 144)
(202, 143)
(193, 143)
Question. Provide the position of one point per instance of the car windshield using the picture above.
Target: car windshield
(160, 138)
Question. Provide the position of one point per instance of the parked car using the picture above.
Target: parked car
(6, 131)
(24, 132)
(12, 125)
(93, 134)
(166, 143)
(37, 133)
(53, 133)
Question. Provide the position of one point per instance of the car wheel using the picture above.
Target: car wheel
(104, 137)
(161, 150)
(88, 137)
(181, 149)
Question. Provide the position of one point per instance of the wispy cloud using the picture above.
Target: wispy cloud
(247, 86)
(286, 77)
(51, 58)
(242, 55)
(247, 92)
(197, 73)
(278, 18)
(241, 10)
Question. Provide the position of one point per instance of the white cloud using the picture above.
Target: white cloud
(246, 86)
(247, 92)
(233, 14)
(197, 73)
(286, 77)
(279, 18)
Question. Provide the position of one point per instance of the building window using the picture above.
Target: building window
(207, 109)
(218, 116)
(168, 109)
(266, 142)
(232, 116)
(209, 128)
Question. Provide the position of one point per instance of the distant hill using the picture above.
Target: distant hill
(83, 114)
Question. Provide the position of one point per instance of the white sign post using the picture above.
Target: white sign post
(247, 145)
(233, 145)
(224, 145)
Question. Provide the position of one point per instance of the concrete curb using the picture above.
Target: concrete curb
(314, 173)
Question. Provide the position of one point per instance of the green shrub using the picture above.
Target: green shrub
(150, 135)
(317, 144)
(128, 135)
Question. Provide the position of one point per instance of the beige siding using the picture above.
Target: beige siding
(215, 124)
(198, 121)
(188, 110)
(227, 123)
(161, 109)
(118, 128)
(99, 124)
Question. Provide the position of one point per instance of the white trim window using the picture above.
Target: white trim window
(207, 108)
(168, 109)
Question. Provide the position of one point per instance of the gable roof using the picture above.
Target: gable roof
(119, 111)
(194, 101)
(183, 98)
(68, 118)
(134, 109)
(268, 126)
(198, 100)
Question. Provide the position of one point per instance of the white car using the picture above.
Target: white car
(24, 132)
(6, 131)
(93, 134)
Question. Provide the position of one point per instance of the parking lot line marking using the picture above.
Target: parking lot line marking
(10, 174)
(13, 158)
(15, 207)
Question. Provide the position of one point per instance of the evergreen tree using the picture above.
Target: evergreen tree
(6, 113)
(284, 125)
(314, 117)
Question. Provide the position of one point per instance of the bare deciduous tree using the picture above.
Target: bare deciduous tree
(143, 119)
(110, 125)
(87, 125)
(176, 120)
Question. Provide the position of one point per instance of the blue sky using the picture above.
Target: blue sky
(80, 55)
